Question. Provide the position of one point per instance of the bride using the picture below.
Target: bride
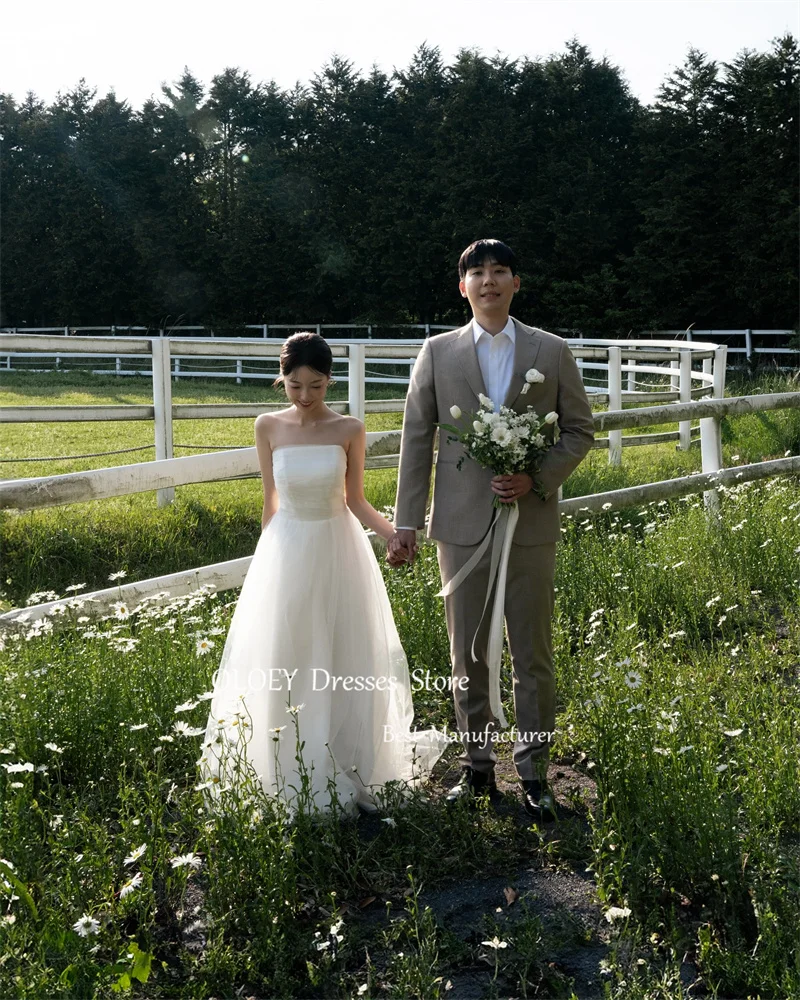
(313, 689)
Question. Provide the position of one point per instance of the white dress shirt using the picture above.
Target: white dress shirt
(496, 362)
(496, 359)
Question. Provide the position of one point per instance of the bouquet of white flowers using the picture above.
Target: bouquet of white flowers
(506, 442)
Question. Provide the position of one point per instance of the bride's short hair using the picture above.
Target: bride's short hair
(305, 348)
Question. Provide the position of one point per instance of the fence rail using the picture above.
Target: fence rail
(382, 452)
(746, 338)
(230, 574)
(612, 358)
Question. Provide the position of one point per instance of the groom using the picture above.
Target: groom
(491, 355)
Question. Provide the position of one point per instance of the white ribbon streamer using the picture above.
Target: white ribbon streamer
(505, 520)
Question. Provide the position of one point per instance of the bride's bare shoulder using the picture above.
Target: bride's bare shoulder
(352, 427)
(265, 422)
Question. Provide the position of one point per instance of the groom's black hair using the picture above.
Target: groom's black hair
(480, 251)
(302, 349)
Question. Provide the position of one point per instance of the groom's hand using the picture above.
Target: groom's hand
(402, 546)
(511, 488)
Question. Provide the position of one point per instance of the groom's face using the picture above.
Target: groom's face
(489, 287)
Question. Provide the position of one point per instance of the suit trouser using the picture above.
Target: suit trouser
(528, 609)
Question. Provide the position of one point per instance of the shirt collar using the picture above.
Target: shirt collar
(509, 330)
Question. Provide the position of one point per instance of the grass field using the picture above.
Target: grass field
(678, 675)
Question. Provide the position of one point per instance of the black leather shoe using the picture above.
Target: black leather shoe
(471, 784)
(538, 800)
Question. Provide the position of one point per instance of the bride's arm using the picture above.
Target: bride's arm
(264, 452)
(354, 487)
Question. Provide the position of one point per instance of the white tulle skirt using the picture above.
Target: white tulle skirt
(313, 668)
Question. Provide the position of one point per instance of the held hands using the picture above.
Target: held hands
(510, 488)
(401, 547)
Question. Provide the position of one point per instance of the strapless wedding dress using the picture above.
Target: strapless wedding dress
(313, 647)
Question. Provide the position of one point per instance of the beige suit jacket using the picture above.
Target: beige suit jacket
(447, 372)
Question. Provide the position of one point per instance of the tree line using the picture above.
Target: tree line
(351, 198)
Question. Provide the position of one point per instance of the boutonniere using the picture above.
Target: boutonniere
(532, 375)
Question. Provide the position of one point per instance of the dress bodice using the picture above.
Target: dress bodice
(309, 479)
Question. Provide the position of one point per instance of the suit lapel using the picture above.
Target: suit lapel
(526, 348)
(468, 359)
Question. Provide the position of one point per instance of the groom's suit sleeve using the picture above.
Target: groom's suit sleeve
(416, 443)
(575, 422)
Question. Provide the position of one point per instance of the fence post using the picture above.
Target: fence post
(238, 371)
(162, 408)
(632, 375)
(685, 389)
(748, 343)
(674, 378)
(615, 403)
(177, 368)
(710, 430)
(579, 361)
(266, 331)
(355, 370)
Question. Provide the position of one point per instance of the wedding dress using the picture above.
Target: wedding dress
(313, 644)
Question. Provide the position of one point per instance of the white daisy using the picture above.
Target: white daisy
(187, 706)
(135, 854)
(131, 885)
(184, 729)
(182, 860)
(86, 925)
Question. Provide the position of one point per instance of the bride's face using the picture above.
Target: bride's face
(306, 387)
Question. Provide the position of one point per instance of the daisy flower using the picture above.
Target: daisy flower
(182, 860)
(135, 854)
(187, 706)
(86, 925)
(131, 885)
(184, 729)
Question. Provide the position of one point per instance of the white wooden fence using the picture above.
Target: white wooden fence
(610, 357)
(47, 491)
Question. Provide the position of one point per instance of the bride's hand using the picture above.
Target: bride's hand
(396, 552)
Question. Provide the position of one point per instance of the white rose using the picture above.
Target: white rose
(485, 401)
(551, 417)
(533, 375)
(490, 418)
(455, 412)
(478, 426)
(524, 433)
